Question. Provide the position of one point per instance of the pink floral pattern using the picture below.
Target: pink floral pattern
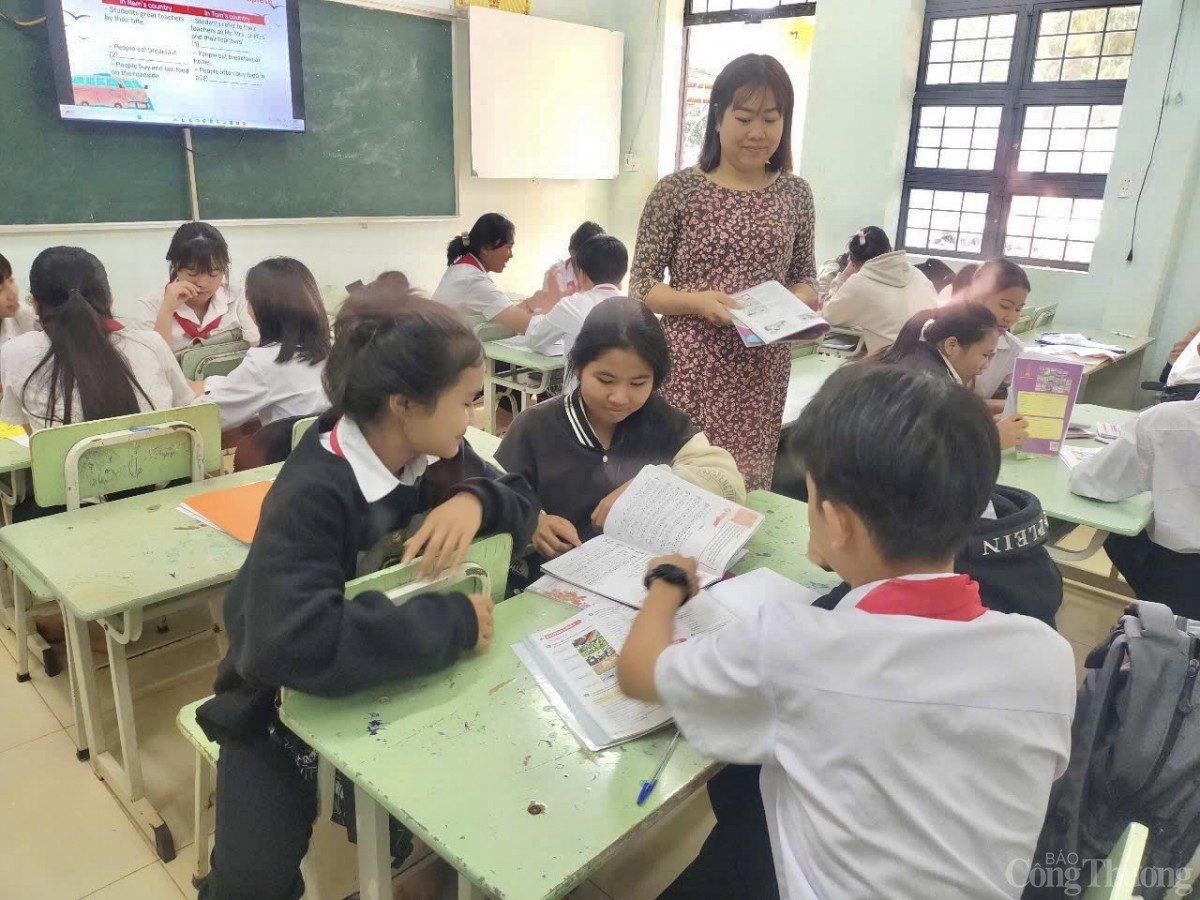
(712, 238)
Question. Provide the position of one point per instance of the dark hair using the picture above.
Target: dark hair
(5, 268)
(969, 323)
(963, 278)
(1008, 274)
(621, 323)
(742, 78)
(868, 243)
(914, 456)
(390, 340)
(198, 246)
(287, 305)
(938, 273)
(74, 305)
(603, 259)
(491, 230)
(582, 235)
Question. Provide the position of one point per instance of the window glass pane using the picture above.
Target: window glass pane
(920, 199)
(1085, 44)
(1060, 228)
(929, 137)
(918, 218)
(966, 73)
(970, 242)
(1063, 162)
(965, 43)
(935, 115)
(1035, 139)
(954, 159)
(963, 139)
(1105, 116)
(998, 48)
(1097, 163)
(989, 116)
(982, 160)
(925, 158)
(937, 73)
(1024, 206)
(995, 71)
(960, 116)
(1032, 161)
(958, 138)
(941, 51)
(1016, 246)
(1074, 128)
(945, 220)
(986, 139)
(975, 202)
(967, 51)
(974, 27)
(1067, 139)
(1044, 248)
(1003, 26)
(943, 29)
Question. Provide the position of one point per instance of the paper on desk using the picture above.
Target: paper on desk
(1073, 456)
(1078, 345)
(744, 595)
(520, 342)
(22, 439)
(14, 433)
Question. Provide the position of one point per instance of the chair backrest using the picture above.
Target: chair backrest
(492, 554)
(1117, 880)
(1023, 324)
(1044, 317)
(843, 342)
(300, 428)
(90, 459)
(221, 358)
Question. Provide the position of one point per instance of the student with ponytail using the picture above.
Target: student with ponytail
(83, 364)
(402, 378)
(467, 286)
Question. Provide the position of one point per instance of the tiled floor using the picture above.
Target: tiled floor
(62, 835)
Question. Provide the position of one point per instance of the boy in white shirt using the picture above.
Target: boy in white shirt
(601, 263)
(562, 278)
(15, 317)
(904, 752)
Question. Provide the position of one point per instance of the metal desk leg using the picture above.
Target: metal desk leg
(489, 395)
(374, 848)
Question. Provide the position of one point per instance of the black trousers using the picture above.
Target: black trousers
(736, 859)
(1156, 573)
(265, 813)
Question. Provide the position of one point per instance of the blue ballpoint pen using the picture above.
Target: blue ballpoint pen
(648, 786)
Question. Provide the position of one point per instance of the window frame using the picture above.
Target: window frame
(1004, 180)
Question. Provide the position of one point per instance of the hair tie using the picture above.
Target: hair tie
(925, 327)
(466, 238)
(861, 237)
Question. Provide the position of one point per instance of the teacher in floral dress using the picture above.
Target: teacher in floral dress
(737, 219)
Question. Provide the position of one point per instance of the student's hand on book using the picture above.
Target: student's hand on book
(1013, 429)
(554, 536)
(483, 613)
(714, 306)
(687, 563)
(604, 507)
(446, 534)
(177, 293)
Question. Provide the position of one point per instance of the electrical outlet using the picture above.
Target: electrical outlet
(1126, 189)
(631, 163)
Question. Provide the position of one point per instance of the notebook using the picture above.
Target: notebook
(233, 510)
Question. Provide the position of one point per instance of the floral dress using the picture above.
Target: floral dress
(714, 238)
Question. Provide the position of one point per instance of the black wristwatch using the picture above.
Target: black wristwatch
(671, 574)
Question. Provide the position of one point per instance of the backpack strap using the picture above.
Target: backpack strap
(1158, 621)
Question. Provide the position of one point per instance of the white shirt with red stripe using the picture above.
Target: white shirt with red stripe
(226, 316)
(375, 480)
(564, 321)
(908, 738)
(467, 288)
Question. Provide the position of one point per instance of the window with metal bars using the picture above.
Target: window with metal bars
(715, 12)
(1014, 123)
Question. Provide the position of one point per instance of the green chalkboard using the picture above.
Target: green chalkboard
(380, 129)
(59, 172)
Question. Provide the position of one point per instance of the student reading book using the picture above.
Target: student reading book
(658, 513)
(881, 775)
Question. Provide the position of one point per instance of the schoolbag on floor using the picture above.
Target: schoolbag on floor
(1135, 757)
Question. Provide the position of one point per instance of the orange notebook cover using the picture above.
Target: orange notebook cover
(233, 510)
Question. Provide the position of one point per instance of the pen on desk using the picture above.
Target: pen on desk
(1124, 334)
(648, 786)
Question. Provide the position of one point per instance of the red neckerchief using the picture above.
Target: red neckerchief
(469, 259)
(954, 598)
(196, 332)
(111, 325)
(334, 444)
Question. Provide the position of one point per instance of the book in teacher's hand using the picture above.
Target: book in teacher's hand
(658, 514)
(771, 313)
(234, 510)
(1044, 391)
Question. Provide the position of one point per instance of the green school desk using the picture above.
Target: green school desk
(476, 762)
(520, 361)
(14, 480)
(111, 563)
(808, 373)
(1113, 383)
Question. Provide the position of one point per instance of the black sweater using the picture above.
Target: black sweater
(554, 448)
(288, 620)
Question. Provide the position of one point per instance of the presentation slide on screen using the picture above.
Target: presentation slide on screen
(226, 64)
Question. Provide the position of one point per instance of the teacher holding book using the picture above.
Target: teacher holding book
(737, 219)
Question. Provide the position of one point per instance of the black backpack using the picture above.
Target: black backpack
(1135, 757)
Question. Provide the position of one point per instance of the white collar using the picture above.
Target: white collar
(217, 306)
(950, 366)
(374, 479)
(856, 595)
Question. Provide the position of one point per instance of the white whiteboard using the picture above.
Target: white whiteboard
(545, 97)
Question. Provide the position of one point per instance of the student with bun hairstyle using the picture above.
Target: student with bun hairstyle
(467, 286)
(198, 305)
(879, 290)
(402, 376)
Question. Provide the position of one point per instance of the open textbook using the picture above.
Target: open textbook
(659, 513)
(771, 313)
(575, 662)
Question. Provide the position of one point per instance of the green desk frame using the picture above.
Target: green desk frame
(520, 362)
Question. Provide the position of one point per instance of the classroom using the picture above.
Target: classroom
(599, 449)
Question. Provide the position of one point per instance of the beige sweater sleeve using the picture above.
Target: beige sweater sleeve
(711, 468)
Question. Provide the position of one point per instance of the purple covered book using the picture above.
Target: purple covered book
(1044, 391)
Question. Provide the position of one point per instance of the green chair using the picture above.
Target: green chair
(1044, 317)
(221, 358)
(1119, 877)
(300, 428)
(1024, 323)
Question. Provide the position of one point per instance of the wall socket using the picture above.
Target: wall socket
(1126, 189)
(631, 162)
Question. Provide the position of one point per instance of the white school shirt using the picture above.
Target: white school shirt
(999, 371)
(564, 321)
(267, 390)
(26, 400)
(468, 290)
(374, 479)
(902, 756)
(564, 277)
(23, 322)
(1186, 369)
(227, 303)
(1159, 451)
